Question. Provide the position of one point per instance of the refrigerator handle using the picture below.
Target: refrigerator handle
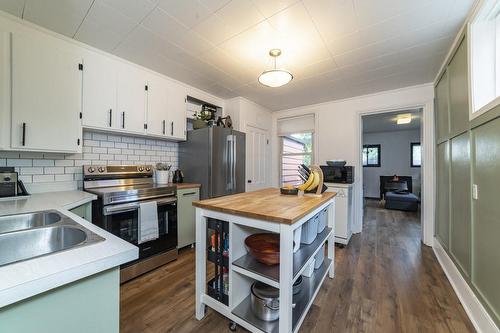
(234, 163)
(229, 163)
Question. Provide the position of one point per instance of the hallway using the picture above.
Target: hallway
(386, 281)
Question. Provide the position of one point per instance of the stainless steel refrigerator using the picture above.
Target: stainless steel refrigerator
(215, 158)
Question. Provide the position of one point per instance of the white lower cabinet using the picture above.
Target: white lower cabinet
(344, 211)
(46, 95)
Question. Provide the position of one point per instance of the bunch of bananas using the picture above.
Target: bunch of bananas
(311, 183)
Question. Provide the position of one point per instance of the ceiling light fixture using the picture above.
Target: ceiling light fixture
(275, 77)
(403, 119)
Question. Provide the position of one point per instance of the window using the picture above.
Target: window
(371, 155)
(415, 155)
(484, 46)
(296, 149)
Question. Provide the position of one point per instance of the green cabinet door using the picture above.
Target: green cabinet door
(84, 211)
(460, 202)
(443, 194)
(486, 215)
(459, 93)
(186, 220)
(442, 108)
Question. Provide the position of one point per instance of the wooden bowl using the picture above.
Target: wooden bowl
(264, 247)
(289, 191)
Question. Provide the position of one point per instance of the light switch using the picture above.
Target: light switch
(474, 191)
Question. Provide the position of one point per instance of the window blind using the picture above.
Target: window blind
(299, 124)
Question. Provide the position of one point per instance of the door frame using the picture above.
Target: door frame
(427, 169)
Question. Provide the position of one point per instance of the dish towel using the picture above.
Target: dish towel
(148, 221)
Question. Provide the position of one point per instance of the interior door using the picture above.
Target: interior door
(46, 95)
(221, 149)
(257, 151)
(99, 92)
(131, 99)
(157, 113)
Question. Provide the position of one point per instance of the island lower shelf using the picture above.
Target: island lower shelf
(301, 302)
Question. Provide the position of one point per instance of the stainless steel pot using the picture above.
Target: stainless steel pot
(265, 301)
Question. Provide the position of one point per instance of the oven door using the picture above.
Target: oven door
(122, 221)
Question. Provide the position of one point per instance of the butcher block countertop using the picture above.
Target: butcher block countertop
(182, 186)
(267, 204)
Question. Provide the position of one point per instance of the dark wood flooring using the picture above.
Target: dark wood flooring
(386, 281)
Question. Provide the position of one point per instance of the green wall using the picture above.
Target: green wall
(468, 152)
(90, 305)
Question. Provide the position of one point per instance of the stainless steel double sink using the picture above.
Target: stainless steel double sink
(31, 235)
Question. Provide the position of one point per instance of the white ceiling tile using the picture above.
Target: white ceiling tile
(193, 43)
(96, 35)
(14, 7)
(370, 12)
(269, 8)
(108, 18)
(215, 5)
(62, 16)
(333, 18)
(214, 29)
(304, 71)
(188, 12)
(240, 15)
(164, 25)
(134, 9)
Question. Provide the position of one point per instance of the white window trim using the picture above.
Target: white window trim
(280, 173)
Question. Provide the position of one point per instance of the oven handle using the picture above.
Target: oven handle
(115, 209)
(143, 198)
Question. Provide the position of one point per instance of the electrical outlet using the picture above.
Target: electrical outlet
(474, 191)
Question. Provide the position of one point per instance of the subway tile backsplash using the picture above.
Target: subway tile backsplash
(98, 148)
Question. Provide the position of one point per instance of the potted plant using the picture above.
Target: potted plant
(200, 119)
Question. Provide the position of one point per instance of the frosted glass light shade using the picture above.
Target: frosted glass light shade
(275, 78)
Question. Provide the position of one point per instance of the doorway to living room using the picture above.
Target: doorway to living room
(392, 160)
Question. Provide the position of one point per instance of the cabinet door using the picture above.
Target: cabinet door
(486, 213)
(176, 111)
(460, 202)
(186, 216)
(459, 93)
(443, 194)
(442, 108)
(99, 92)
(131, 99)
(46, 95)
(157, 106)
(4, 90)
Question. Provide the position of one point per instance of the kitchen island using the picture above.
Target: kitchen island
(235, 217)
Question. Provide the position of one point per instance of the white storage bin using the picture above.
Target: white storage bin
(308, 272)
(319, 257)
(297, 234)
(322, 220)
(310, 230)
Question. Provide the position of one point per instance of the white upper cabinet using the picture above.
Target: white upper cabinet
(46, 95)
(157, 106)
(177, 111)
(99, 92)
(131, 98)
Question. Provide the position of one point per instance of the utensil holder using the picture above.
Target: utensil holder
(162, 176)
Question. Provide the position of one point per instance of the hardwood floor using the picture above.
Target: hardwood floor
(386, 281)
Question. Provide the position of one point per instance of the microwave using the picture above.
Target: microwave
(338, 174)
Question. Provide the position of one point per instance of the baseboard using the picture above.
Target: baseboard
(480, 318)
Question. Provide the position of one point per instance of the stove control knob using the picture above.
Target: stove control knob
(148, 168)
(91, 169)
(101, 169)
(140, 168)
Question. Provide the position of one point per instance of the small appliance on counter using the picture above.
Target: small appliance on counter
(10, 185)
(337, 173)
(178, 176)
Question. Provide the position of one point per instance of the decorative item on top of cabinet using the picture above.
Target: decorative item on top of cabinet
(186, 216)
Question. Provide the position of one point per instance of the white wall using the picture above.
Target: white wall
(394, 159)
(338, 135)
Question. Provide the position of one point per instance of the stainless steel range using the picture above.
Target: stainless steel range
(123, 190)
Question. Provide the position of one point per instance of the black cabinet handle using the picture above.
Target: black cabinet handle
(189, 193)
(123, 119)
(164, 126)
(110, 116)
(172, 128)
(24, 135)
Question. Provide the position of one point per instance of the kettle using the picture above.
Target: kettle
(178, 176)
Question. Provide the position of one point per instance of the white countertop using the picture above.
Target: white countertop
(24, 279)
